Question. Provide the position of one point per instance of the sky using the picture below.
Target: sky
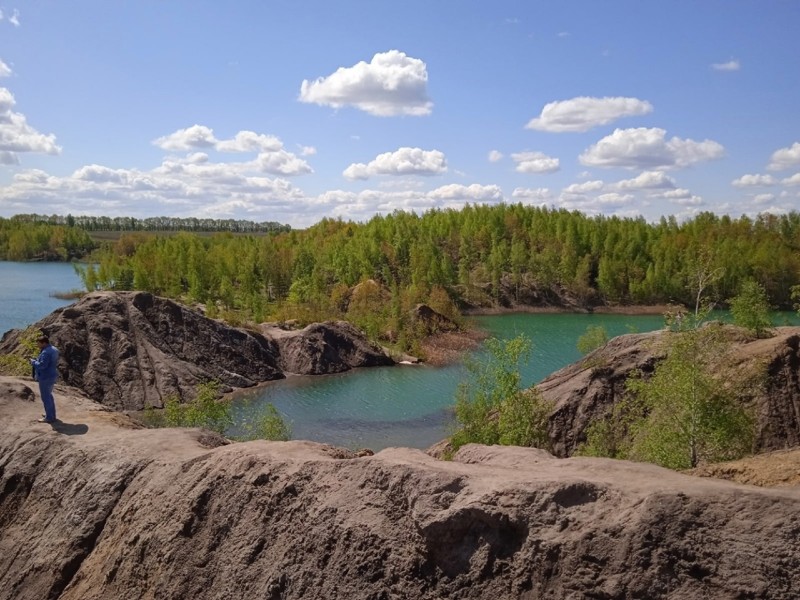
(292, 111)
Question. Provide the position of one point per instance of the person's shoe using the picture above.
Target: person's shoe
(45, 420)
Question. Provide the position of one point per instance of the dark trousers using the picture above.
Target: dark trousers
(46, 390)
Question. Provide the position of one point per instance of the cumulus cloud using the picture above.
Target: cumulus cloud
(469, 193)
(763, 198)
(307, 150)
(403, 161)
(793, 180)
(731, 65)
(248, 141)
(643, 148)
(17, 136)
(584, 113)
(583, 188)
(535, 162)
(191, 138)
(753, 181)
(495, 156)
(785, 158)
(391, 84)
(14, 18)
(272, 157)
(532, 195)
(647, 180)
(5, 70)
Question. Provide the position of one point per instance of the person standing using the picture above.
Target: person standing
(45, 369)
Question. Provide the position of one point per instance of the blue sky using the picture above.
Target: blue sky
(293, 111)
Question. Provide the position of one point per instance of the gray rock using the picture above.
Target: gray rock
(126, 513)
(131, 350)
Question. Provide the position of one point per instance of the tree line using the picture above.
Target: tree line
(373, 273)
(91, 223)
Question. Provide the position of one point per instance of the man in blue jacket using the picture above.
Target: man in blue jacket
(45, 369)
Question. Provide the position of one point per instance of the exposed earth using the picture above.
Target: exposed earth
(95, 507)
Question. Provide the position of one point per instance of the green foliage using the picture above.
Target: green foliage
(205, 411)
(689, 411)
(16, 362)
(595, 337)
(270, 426)
(751, 308)
(491, 407)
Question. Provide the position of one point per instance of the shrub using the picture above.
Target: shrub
(595, 337)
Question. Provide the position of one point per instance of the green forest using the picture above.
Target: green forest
(374, 273)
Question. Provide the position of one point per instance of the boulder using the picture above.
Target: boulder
(322, 348)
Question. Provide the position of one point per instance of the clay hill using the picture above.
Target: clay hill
(585, 390)
(129, 350)
(95, 508)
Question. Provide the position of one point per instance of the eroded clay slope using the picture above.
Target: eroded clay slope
(94, 509)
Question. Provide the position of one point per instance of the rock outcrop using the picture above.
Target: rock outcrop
(586, 390)
(90, 510)
(131, 350)
(322, 348)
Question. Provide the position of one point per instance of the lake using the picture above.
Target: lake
(26, 291)
(404, 405)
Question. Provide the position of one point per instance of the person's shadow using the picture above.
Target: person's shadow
(69, 428)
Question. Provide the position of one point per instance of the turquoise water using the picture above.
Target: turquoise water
(410, 405)
(26, 288)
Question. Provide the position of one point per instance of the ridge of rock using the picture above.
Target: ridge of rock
(585, 390)
(115, 512)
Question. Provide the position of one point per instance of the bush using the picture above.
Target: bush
(16, 363)
(750, 308)
(204, 411)
(595, 337)
(491, 407)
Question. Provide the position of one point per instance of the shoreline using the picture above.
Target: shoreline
(632, 310)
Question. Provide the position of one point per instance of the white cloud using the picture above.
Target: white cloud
(583, 188)
(282, 162)
(584, 113)
(403, 161)
(191, 138)
(391, 84)
(763, 198)
(272, 157)
(307, 150)
(16, 136)
(647, 180)
(643, 148)
(793, 180)
(14, 18)
(528, 195)
(468, 193)
(495, 156)
(785, 158)
(246, 141)
(731, 65)
(5, 70)
(753, 180)
(535, 162)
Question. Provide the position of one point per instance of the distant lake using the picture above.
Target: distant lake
(404, 405)
(26, 291)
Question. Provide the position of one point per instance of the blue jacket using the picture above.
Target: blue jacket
(46, 366)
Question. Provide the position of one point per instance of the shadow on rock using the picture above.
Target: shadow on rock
(70, 428)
